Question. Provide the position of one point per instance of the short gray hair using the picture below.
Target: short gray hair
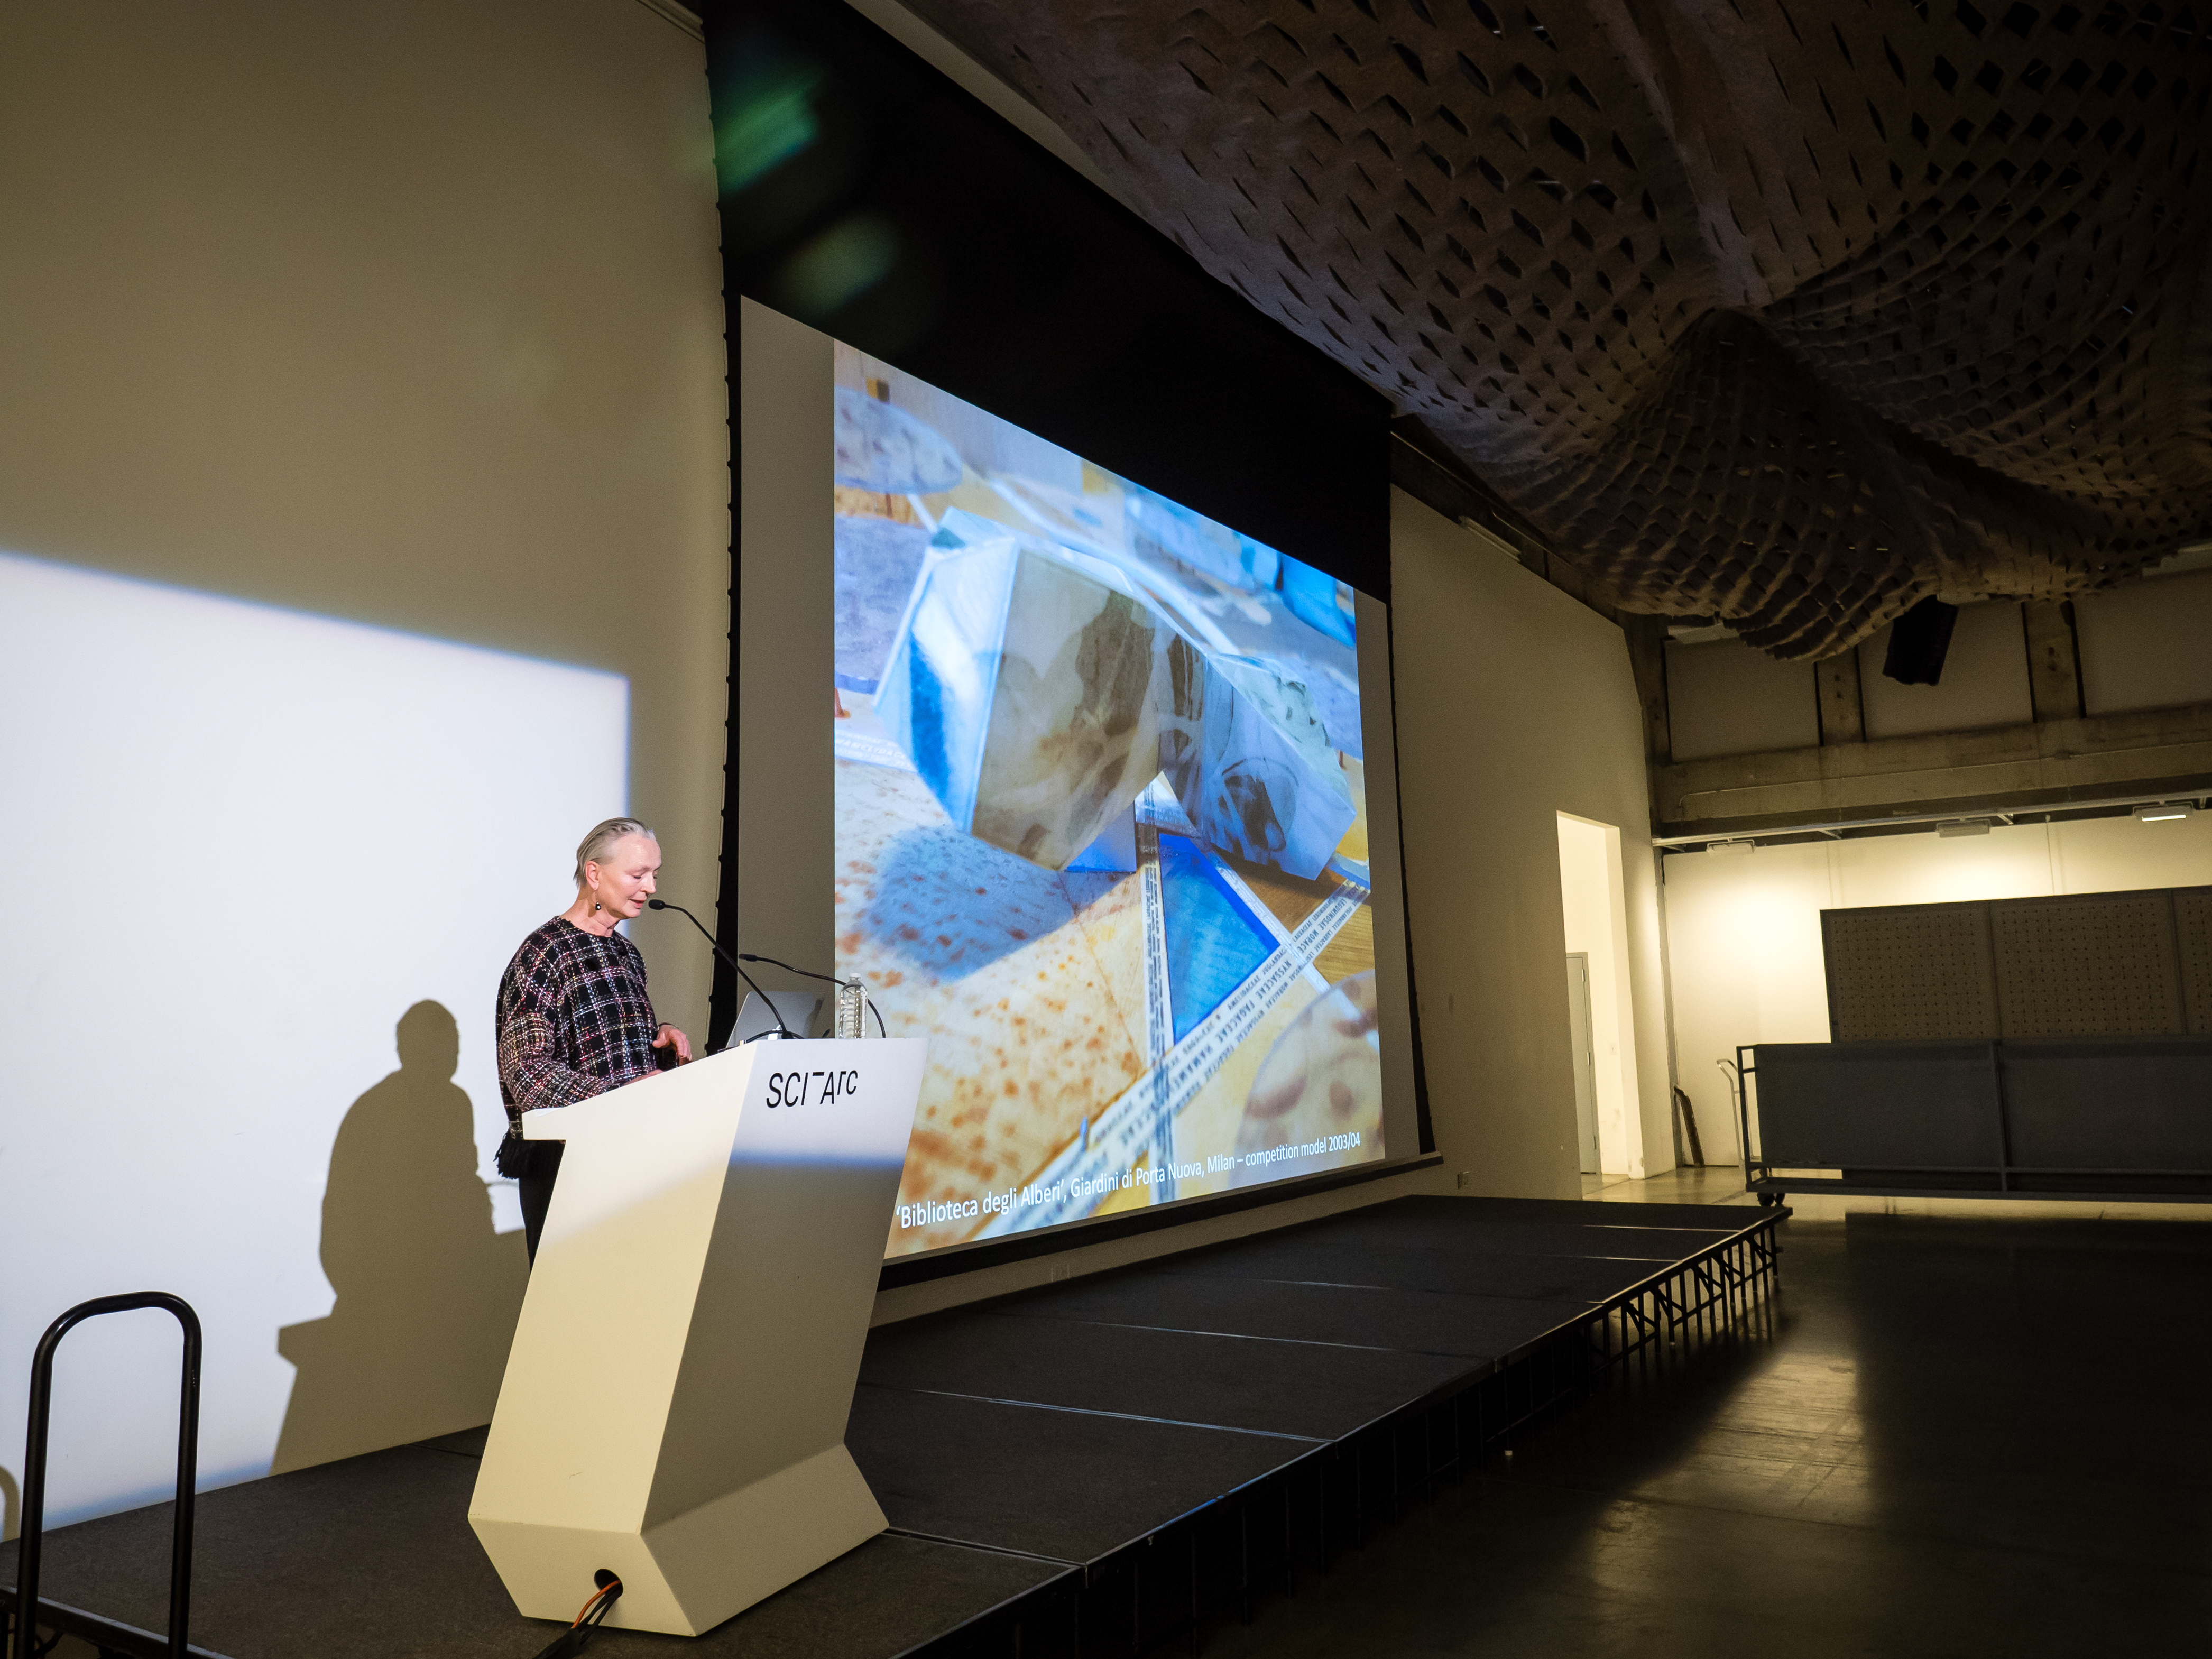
(595, 846)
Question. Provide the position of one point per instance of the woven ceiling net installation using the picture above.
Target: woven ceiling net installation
(1787, 315)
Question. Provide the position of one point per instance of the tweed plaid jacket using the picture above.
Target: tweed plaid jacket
(575, 1019)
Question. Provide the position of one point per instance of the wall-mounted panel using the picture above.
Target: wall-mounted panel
(2102, 964)
(1910, 971)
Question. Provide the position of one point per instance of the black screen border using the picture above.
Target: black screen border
(1070, 318)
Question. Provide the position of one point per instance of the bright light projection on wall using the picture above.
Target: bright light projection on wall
(1101, 830)
(269, 868)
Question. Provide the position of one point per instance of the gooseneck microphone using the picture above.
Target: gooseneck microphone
(808, 972)
(663, 904)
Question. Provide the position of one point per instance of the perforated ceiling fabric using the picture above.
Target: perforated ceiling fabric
(1791, 315)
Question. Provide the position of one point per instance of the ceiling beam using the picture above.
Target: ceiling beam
(2054, 659)
(2046, 764)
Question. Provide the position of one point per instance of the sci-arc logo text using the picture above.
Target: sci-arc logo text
(816, 1088)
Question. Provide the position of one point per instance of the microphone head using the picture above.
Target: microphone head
(656, 904)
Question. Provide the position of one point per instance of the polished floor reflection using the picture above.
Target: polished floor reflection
(1953, 1435)
(1703, 1183)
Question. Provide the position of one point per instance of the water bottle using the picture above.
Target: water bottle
(852, 1009)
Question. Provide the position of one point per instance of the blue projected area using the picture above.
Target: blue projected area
(1214, 941)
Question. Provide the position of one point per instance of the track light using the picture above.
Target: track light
(1732, 847)
(1963, 826)
(2164, 812)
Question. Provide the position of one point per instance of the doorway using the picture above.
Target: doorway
(1578, 1035)
(1594, 912)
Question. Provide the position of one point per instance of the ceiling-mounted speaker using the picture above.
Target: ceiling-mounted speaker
(1918, 641)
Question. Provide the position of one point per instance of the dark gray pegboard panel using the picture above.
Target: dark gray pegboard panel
(2114, 1104)
(2092, 964)
(1909, 972)
(2135, 963)
(1879, 1106)
(2192, 918)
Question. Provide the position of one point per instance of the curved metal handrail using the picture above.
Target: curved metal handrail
(34, 1464)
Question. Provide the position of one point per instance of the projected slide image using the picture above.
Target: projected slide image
(1102, 831)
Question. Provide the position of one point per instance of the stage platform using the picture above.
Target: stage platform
(1096, 1466)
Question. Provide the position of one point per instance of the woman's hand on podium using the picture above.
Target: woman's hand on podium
(669, 1036)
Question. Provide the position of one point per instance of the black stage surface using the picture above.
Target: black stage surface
(1096, 1464)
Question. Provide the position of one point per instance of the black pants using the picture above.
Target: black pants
(541, 1162)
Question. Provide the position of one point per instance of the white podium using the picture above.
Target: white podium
(675, 1402)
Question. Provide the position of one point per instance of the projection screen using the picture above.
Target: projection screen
(1111, 820)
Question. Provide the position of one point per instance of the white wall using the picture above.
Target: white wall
(2143, 645)
(239, 1008)
(1744, 931)
(1515, 703)
(363, 463)
(1594, 904)
(1725, 698)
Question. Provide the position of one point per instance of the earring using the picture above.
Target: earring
(595, 907)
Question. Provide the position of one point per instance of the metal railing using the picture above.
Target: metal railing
(33, 1541)
(1741, 1073)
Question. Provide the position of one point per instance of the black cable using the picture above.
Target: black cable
(808, 972)
(571, 1640)
(663, 904)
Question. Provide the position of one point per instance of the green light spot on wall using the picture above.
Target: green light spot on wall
(839, 265)
(767, 128)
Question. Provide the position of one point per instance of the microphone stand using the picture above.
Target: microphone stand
(805, 973)
(663, 904)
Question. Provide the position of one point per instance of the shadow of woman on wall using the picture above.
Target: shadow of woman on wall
(428, 1292)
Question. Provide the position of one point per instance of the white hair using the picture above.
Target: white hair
(595, 846)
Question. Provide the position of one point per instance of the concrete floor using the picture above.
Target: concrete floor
(1969, 1433)
(1711, 1183)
